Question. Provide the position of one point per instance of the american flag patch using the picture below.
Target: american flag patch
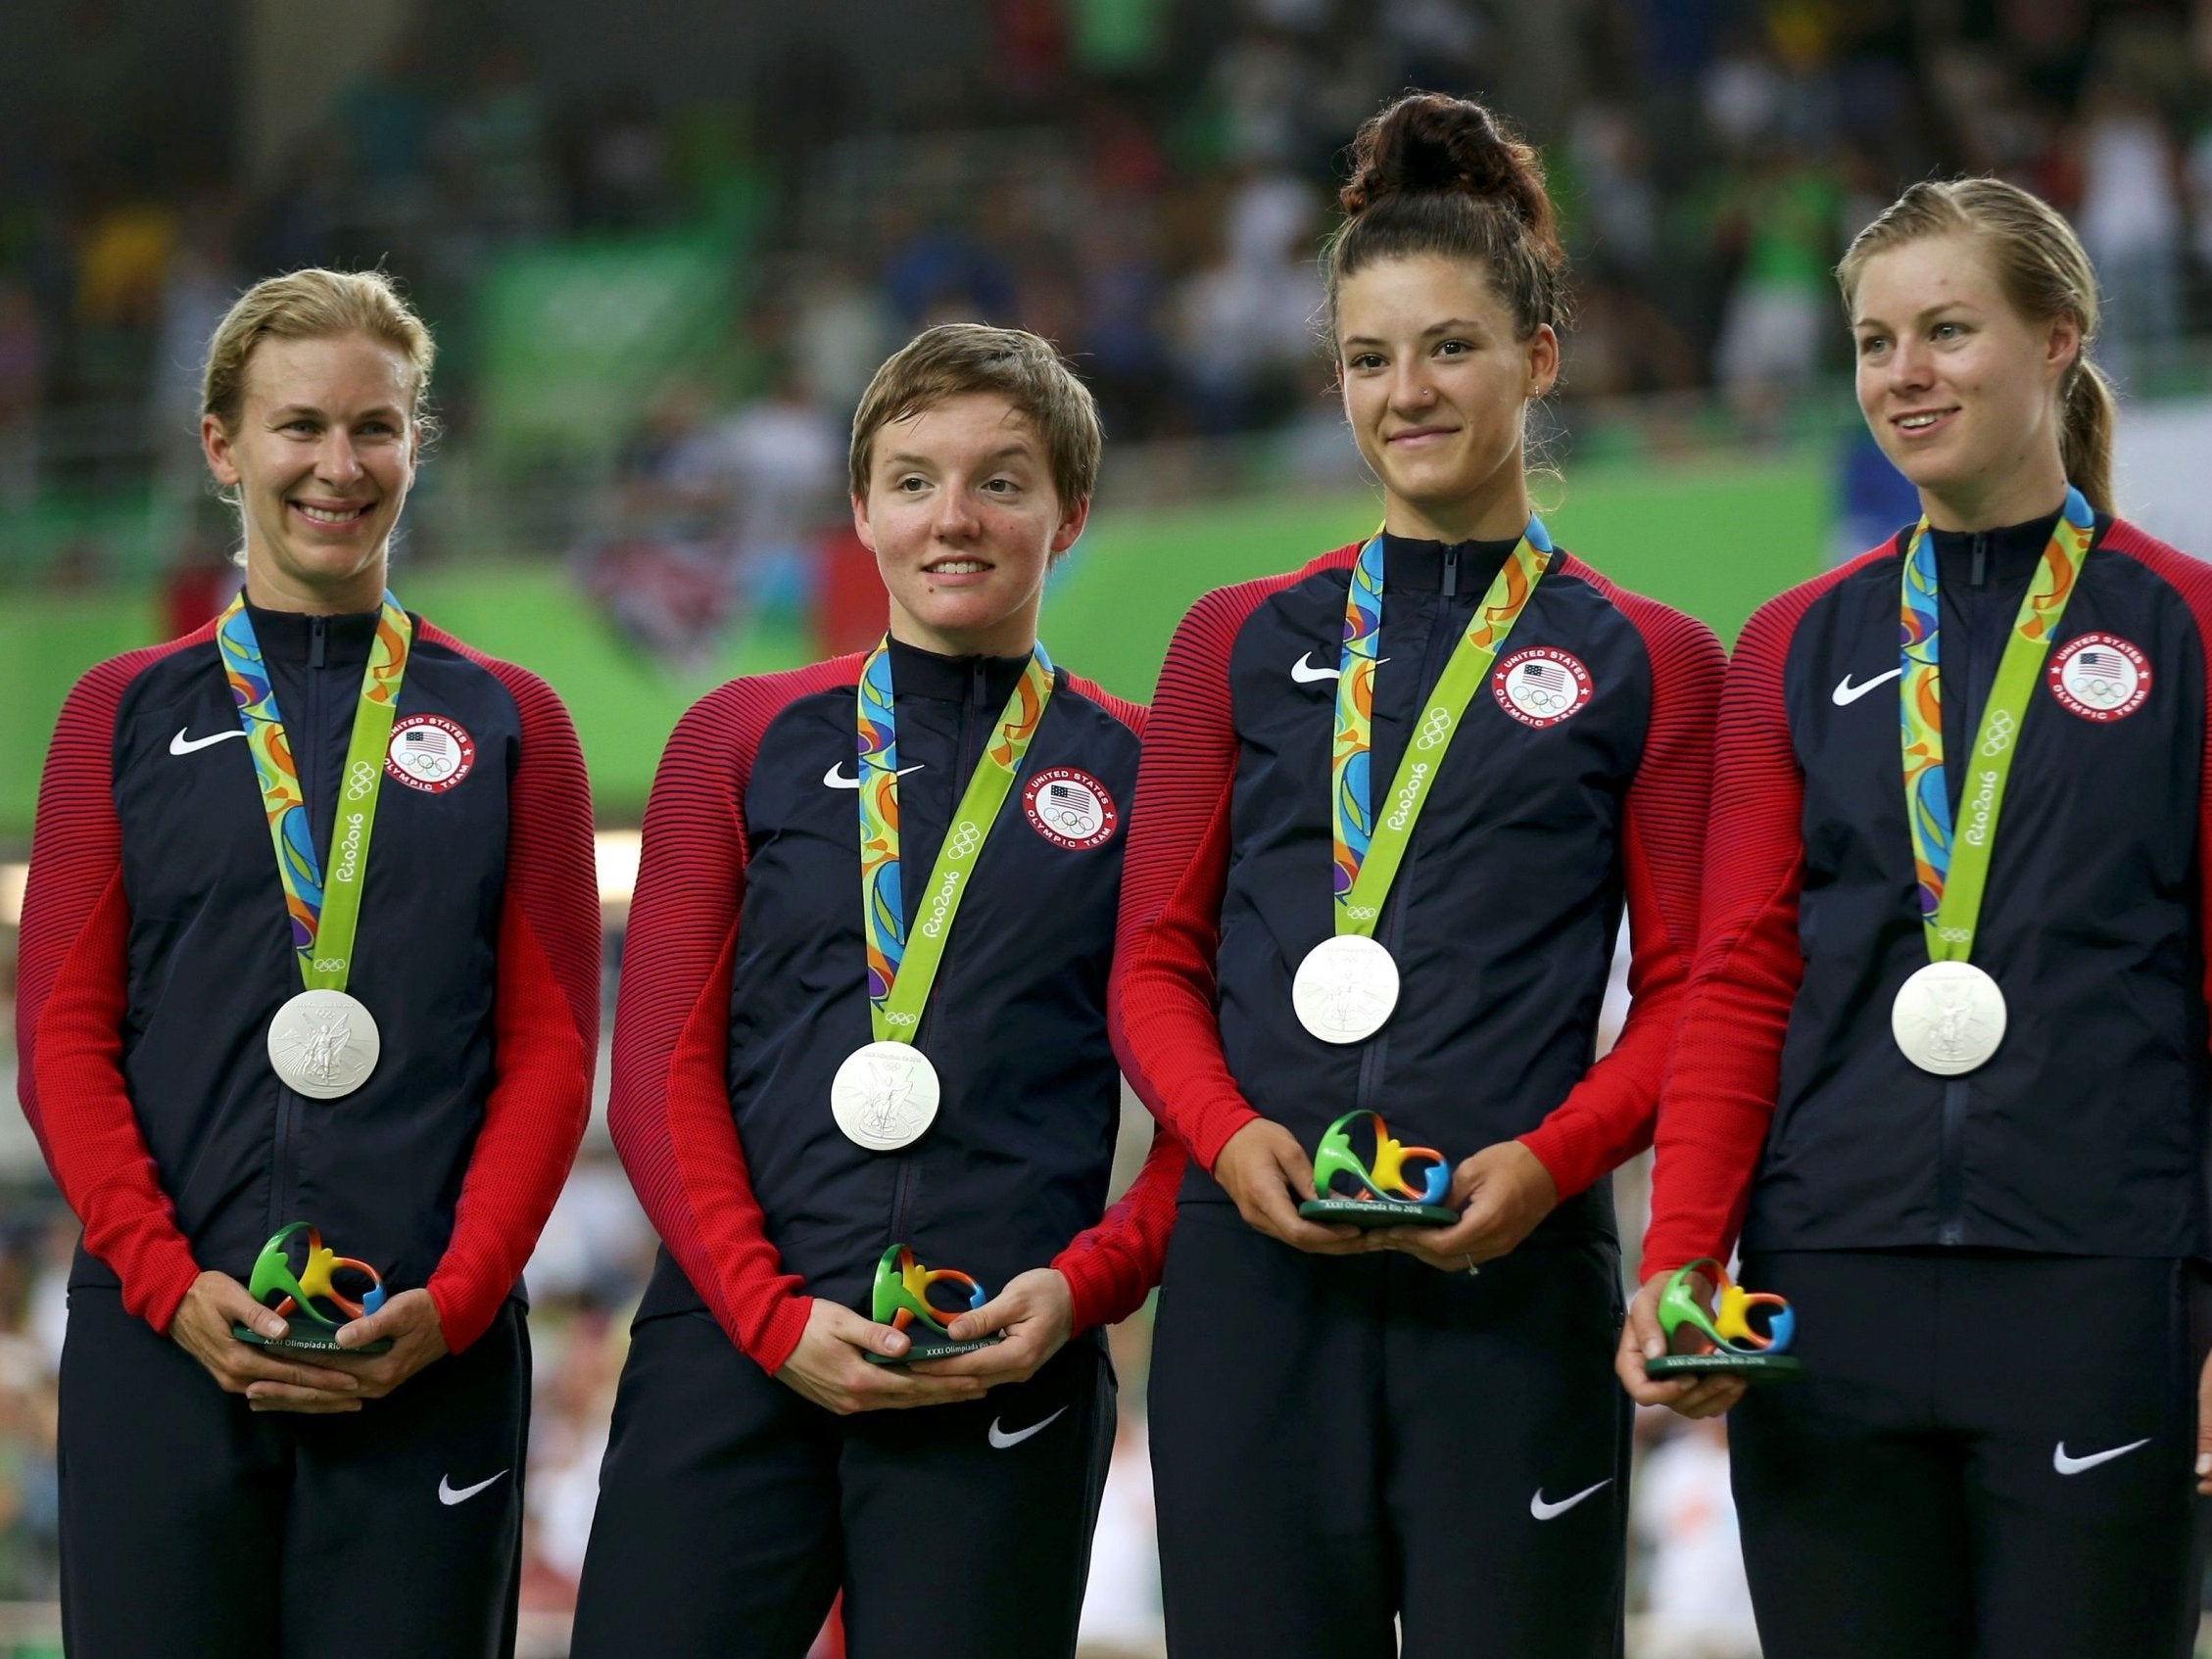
(430, 753)
(1541, 685)
(1070, 808)
(2100, 677)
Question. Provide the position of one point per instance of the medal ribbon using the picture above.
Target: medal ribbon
(1952, 865)
(1366, 853)
(325, 906)
(899, 977)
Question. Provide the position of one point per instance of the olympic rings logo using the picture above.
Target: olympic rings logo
(2002, 729)
(1435, 729)
(360, 780)
(1955, 935)
(330, 964)
(901, 1019)
(1360, 911)
(965, 840)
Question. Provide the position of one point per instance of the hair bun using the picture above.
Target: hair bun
(1428, 142)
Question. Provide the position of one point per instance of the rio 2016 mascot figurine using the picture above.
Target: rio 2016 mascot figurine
(1383, 1196)
(903, 1299)
(273, 1276)
(1737, 1348)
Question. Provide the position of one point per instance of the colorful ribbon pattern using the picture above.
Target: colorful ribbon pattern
(894, 999)
(322, 936)
(1951, 871)
(1361, 881)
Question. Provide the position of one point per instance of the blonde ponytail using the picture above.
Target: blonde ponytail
(2087, 425)
(2044, 273)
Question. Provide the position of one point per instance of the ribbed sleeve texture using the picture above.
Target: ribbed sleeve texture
(1162, 1009)
(72, 993)
(1164, 995)
(2191, 579)
(1110, 1267)
(1608, 1116)
(670, 1108)
(1720, 1092)
(671, 1112)
(545, 1013)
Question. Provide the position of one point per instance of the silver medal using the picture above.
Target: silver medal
(323, 1044)
(1948, 1017)
(1345, 988)
(884, 1096)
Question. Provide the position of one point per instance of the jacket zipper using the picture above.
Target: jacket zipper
(1376, 1053)
(1950, 1158)
(310, 758)
(979, 687)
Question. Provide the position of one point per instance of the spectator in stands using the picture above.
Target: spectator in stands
(2131, 221)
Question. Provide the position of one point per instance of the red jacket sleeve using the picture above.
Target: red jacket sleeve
(1110, 1267)
(544, 1017)
(2191, 579)
(1163, 1008)
(1720, 1094)
(670, 1108)
(1607, 1116)
(72, 993)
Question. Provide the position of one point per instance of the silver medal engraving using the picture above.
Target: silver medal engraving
(323, 1044)
(1948, 1017)
(884, 1096)
(1345, 989)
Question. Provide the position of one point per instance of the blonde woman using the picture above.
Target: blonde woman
(1945, 1070)
(342, 971)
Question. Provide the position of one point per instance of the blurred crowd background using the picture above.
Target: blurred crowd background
(663, 248)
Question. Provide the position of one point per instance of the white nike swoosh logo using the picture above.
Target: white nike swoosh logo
(1306, 671)
(1547, 1511)
(1000, 1440)
(832, 779)
(447, 1497)
(183, 745)
(1847, 693)
(2066, 1465)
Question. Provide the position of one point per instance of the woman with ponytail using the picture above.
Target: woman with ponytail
(1947, 1078)
(1391, 805)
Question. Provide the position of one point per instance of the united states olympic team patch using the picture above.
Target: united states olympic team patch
(1541, 685)
(429, 752)
(2100, 677)
(1070, 808)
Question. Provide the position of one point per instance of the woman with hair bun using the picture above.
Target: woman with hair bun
(1946, 1075)
(1391, 806)
(334, 982)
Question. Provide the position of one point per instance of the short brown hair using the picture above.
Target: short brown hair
(313, 305)
(2044, 273)
(954, 358)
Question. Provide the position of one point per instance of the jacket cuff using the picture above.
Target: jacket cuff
(1554, 1147)
(1217, 1131)
(776, 1338)
(167, 1291)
